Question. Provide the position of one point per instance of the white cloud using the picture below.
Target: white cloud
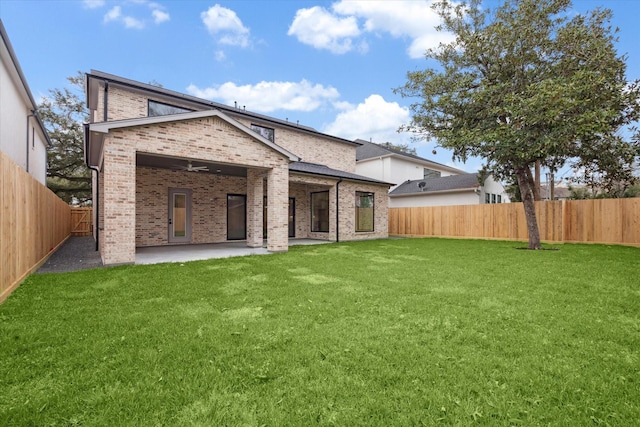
(92, 4)
(225, 24)
(374, 119)
(321, 29)
(266, 97)
(113, 14)
(220, 55)
(159, 16)
(131, 22)
(342, 29)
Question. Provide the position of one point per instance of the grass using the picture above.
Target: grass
(391, 332)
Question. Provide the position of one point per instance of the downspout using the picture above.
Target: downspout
(33, 114)
(338, 211)
(96, 202)
(105, 101)
(96, 206)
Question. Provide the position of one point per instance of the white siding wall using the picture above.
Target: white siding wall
(377, 168)
(436, 199)
(15, 108)
(403, 170)
(493, 187)
(395, 170)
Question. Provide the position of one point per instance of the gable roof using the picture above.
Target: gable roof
(317, 169)
(8, 56)
(94, 78)
(96, 130)
(451, 183)
(369, 150)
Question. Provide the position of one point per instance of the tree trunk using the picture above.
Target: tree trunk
(524, 182)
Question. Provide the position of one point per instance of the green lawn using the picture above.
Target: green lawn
(391, 332)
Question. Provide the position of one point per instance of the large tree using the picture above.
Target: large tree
(522, 84)
(63, 112)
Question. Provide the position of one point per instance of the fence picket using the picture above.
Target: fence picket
(613, 221)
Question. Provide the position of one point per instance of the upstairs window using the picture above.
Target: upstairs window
(364, 211)
(430, 173)
(159, 109)
(264, 132)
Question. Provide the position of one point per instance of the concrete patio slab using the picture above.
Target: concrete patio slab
(184, 253)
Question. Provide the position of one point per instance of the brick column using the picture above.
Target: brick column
(278, 209)
(119, 205)
(255, 201)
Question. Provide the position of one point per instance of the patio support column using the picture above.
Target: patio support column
(118, 239)
(278, 209)
(255, 202)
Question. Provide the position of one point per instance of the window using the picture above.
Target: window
(264, 132)
(159, 109)
(492, 198)
(364, 211)
(320, 211)
(430, 173)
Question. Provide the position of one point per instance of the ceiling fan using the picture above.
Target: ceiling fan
(191, 168)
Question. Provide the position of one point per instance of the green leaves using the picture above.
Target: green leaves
(63, 113)
(526, 83)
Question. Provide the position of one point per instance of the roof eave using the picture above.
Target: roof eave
(338, 178)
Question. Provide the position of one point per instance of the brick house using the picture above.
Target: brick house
(172, 169)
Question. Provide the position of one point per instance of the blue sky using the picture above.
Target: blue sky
(329, 65)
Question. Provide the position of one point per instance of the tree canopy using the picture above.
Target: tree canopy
(63, 113)
(526, 83)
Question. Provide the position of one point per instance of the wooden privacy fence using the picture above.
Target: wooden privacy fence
(81, 221)
(33, 221)
(614, 221)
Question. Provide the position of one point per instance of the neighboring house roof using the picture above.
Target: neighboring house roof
(8, 56)
(317, 169)
(96, 129)
(95, 76)
(451, 183)
(368, 150)
(558, 192)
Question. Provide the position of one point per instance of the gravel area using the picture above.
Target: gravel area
(77, 253)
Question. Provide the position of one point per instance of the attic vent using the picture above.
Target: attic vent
(421, 185)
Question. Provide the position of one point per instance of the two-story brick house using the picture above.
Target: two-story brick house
(175, 169)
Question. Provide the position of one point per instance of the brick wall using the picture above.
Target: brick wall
(208, 209)
(134, 200)
(311, 148)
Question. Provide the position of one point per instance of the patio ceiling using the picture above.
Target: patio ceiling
(177, 163)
